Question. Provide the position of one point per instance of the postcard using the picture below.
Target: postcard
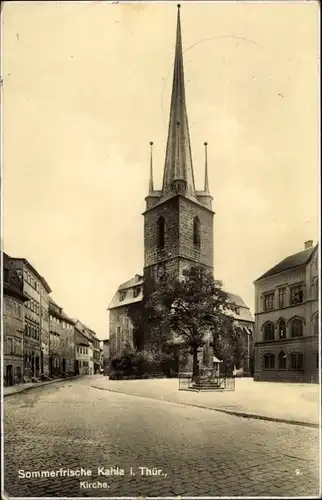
(160, 259)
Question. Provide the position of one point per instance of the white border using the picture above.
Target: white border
(177, 497)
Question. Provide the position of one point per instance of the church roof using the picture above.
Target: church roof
(128, 298)
(137, 280)
(295, 260)
(178, 160)
(243, 313)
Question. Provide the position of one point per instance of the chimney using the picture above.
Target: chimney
(308, 244)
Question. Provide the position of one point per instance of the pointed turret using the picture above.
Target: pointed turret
(178, 171)
(151, 169)
(206, 169)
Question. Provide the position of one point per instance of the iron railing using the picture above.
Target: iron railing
(207, 380)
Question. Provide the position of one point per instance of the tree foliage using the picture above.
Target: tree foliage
(189, 308)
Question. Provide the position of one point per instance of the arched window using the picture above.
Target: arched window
(282, 361)
(160, 232)
(282, 329)
(297, 327)
(269, 331)
(315, 324)
(196, 232)
(269, 361)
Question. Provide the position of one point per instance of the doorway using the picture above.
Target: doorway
(9, 375)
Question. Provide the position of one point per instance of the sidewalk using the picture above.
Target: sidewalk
(276, 401)
(15, 389)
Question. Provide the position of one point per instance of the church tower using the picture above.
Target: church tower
(178, 220)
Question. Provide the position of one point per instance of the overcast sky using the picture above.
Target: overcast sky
(87, 86)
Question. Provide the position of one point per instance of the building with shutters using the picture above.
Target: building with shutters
(36, 319)
(287, 319)
(13, 324)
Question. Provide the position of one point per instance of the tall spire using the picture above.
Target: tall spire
(206, 168)
(178, 171)
(151, 168)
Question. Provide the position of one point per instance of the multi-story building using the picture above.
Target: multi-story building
(62, 341)
(36, 337)
(44, 328)
(178, 220)
(92, 344)
(83, 353)
(13, 323)
(67, 344)
(287, 319)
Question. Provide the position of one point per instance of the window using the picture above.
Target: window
(297, 327)
(315, 325)
(282, 329)
(269, 361)
(136, 291)
(297, 361)
(315, 288)
(160, 232)
(122, 295)
(9, 346)
(317, 360)
(296, 294)
(282, 361)
(281, 297)
(269, 331)
(196, 232)
(269, 301)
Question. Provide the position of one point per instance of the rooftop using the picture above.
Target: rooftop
(295, 260)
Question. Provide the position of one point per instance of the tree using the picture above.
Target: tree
(189, 308)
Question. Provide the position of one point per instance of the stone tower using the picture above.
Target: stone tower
(178, 220)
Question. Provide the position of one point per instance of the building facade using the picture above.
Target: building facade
(83, 353)
(62, 341)
(287, 319)
(54, 339)
(92, 348)
(13, 323)
(36, 329)
(178, 219)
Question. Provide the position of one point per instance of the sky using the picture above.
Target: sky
(87, 86)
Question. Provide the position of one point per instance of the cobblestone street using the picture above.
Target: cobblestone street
(72, 425)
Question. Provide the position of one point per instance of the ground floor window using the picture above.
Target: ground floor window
(269, 361)
(297, 361)
(282, 361)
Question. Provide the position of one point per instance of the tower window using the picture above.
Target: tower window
(196, 232)
(160, 232)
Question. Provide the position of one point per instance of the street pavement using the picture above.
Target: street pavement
(288, 402)
(73, 425)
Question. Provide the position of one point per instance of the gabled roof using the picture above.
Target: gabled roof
(295, 260)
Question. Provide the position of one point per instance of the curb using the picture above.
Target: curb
(222, 410)
(35, 386)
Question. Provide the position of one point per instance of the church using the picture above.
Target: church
(178, 222)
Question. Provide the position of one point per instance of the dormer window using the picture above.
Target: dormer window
(136, 291)
(122, 296)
